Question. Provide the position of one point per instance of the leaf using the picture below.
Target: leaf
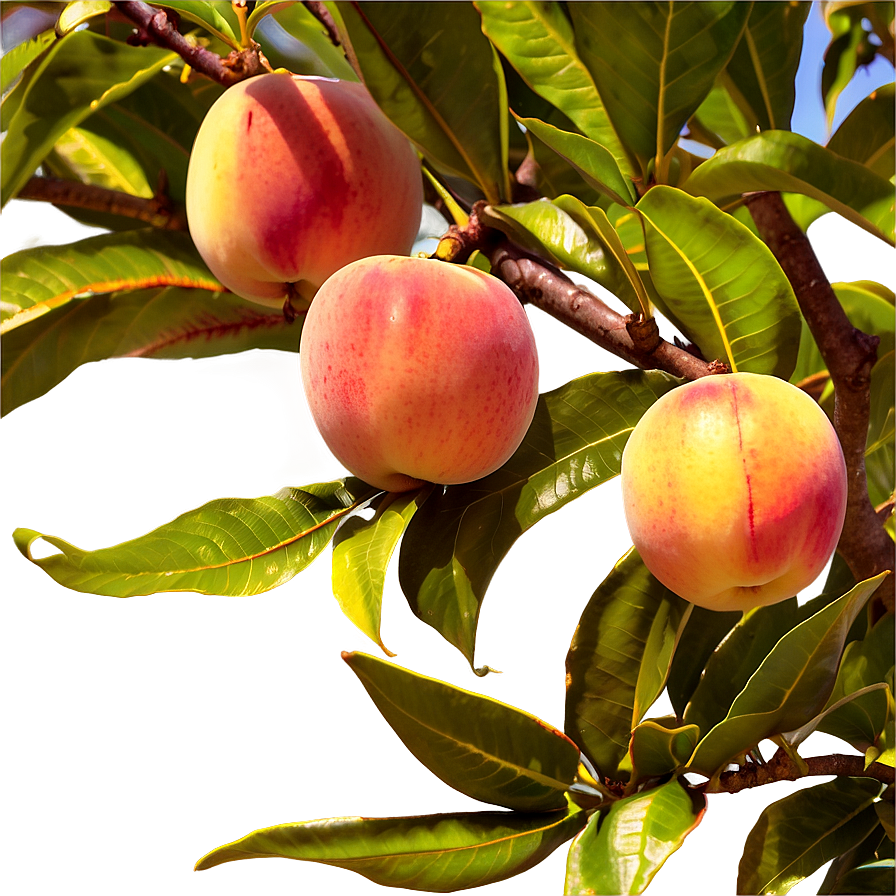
(438, 853)
(849, 51)
(537, 39)
(15, 61)
(718, 119)
(874, 848)
(168, 322)
(875, 877)
(361, 552)
(658, 749)
(622, 852)
(459, 536)
(36, 281)
(551, 174)
(572, 242)
(208, 16)
(791, 685)
(764, 65)
(485, 749)
(231, 546)
(83, 72)
(795, 836)
(435, 74)
(612, 674)
(79, 12)
(867, 136)
(779, 160)
(265, 9)
(654, 63)
(719, 284)
(596, 165)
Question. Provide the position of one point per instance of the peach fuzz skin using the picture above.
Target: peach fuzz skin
(418, 371)
(734, 488)
(290, 178)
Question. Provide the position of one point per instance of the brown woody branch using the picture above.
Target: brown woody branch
(154, 25)
(158, 211)
(322, 14)
(782, 767)
(849, 355)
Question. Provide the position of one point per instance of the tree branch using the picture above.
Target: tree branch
(782, 768)
(159, 211)
(849, 355)
(155, 25)
(322, 14)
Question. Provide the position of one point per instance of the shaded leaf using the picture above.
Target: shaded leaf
(874, 878)
(36, 281)
(231, 546)
(361, 552)
(718, 119)
(551, 174)
(538, 41)
(795, 836)
(654, 63)
(867, 134)
(849, 51)
(209, 16)
(610, 655)
(435, 74)
(779, 160)
(791, 685)
(154, 323)
(720, 285)
(83, 72)
(460, 534)
(622, 852)
(763, 67)
(856, 715)
(439, 853)
(658, 747)
(874, 848)
(15, 61)
(485, 749)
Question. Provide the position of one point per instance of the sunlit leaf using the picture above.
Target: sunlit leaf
(485, 749)
(231, 546)
(659, 747)
(439, 853)
(435, 74)
(612, 674)
(791, 685)
(361, 552)
(779, 160)
(459, 536)
(720, 285)
(795, 836)
(718, 119)
(79, 12)
(15, 61)
(867, 136)
(538, 40)
(623, 851)
(552, 175)
(654, 63)
(168, 322)
(216, 18)
(69, 84)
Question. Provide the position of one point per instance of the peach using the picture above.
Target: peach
(418, 370)
(734, 488)
(290, 178)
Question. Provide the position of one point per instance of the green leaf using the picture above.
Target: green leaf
(763, 67)
(876, 847)
(654, 63)
(82, 73)
(879, 464)
(622, 852)
(79, 12)
(867, 136)
(791, 685)
(209, 16)
(614, 670)
(361, 552)
(15, 61)
(231, 546)
(719, 284)
(596, 165)
(572, 241)
(36, 281)
(718, 119)
(875, 877)
(151, 323)
(796, 835)
(485, 749)
(537, 39)
(847, 52)
(460, 534)
(266, 9)
(552, 175)
(435, 74)
(438, 853)
(779, 160)
(659, 747)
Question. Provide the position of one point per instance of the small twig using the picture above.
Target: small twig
(849, 355)
(157, 26)
(782, 768)
(159, 211)
(322, 14)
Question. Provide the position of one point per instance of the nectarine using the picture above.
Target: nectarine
(290, 178)
(734, 488)
(418, 370)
